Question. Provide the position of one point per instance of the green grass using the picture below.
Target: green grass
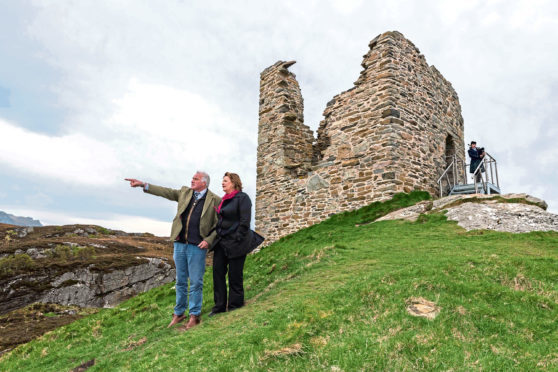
(333, 297)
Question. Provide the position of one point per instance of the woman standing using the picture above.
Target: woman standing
(236, 240)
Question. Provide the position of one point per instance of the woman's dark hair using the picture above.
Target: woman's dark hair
(235, 179)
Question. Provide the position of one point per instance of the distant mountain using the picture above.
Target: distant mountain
(19, 221)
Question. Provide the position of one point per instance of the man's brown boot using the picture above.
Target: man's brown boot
(176, 319)
(192, 322)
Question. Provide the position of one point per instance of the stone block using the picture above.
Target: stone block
(316, 183)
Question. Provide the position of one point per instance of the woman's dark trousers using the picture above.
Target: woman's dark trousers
(234, 266)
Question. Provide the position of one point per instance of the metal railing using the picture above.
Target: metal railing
(456, 174)
(487, 163)
(452, 175)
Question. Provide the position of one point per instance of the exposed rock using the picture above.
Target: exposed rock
(525, 198)
(35, 253)
(23, 231)
(410, 214)
(98, 289)
(442, 202)
(510, 217)
(510, 212)
(86, 287)
(46, 268)
(530, 199)
(81, 232)
(90, 230)
(418, 306)
(71, 265)
(316, 183)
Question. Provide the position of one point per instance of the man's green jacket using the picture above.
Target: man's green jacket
(183, 196)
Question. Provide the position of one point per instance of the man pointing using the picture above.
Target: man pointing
(193, 232)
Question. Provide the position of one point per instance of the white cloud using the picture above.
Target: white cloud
(72, 158)
(152, 130)
(548, 158)
(346, 6)
(170, 127)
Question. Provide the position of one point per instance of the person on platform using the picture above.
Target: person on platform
(235, 241)
(476, 156)
(193, 233)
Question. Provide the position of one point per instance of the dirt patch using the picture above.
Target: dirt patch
(85, 366)
(133, 344)
(23, 325)
(294, 349)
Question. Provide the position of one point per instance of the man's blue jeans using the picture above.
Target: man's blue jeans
(189, 260)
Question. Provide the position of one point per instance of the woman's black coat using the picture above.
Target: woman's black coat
(233, 226)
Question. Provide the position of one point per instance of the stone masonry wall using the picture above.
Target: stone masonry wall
(391, 132)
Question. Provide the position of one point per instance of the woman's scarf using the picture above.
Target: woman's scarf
(226, 197)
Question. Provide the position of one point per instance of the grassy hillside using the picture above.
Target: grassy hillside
(333, 297)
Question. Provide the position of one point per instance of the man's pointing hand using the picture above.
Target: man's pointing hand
(135, 183)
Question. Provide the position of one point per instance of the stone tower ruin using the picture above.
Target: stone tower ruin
(392, 132)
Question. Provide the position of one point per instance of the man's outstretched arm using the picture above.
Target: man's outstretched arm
(164, 192)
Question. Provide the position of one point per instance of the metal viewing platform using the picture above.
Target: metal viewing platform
(484, 180)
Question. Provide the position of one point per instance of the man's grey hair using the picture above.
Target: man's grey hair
(205, 177)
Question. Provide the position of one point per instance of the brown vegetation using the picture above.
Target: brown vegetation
(23, 325)
(73, 246)
(29, 257)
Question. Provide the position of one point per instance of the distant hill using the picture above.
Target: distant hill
(18, 221)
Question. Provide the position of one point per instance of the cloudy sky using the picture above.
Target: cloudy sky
(92, 92)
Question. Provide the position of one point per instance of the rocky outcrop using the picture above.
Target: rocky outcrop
(87, 266)
(485, 198)
(516, 213)
(410, 213)
(510, 217)
(86, 288)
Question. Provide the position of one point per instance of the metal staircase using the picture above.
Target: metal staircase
(454, 179)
